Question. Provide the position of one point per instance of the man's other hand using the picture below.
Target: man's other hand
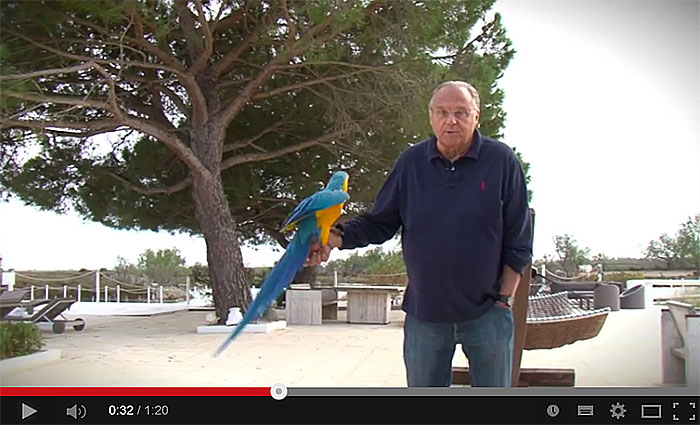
(319, 253)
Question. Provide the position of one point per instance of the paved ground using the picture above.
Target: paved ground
(164, 350)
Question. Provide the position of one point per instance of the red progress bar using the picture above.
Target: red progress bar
(135, 391)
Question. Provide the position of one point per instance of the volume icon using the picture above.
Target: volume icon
(76, 411)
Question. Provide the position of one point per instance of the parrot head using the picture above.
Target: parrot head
(339, 181)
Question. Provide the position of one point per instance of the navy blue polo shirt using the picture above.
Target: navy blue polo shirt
(460, 222)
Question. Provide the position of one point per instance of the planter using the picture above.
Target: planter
(30, 360)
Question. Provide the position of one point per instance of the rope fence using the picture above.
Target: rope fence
(109, 290)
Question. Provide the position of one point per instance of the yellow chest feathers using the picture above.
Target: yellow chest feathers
(326, 218)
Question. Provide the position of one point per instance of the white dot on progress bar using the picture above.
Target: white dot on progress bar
(278, 391)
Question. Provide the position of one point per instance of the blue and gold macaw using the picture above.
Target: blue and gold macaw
(313, 218)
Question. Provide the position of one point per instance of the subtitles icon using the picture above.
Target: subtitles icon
(586, 410)
(76, 411)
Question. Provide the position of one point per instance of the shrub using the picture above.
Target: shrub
(623, 277)
(19, 339)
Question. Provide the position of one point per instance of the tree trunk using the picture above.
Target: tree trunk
(229, 283)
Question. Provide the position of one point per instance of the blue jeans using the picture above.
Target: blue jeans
(487, 341)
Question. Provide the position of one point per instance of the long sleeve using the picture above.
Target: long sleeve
(382, 222)
(517, 235)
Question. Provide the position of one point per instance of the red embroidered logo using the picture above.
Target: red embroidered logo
(483, 185)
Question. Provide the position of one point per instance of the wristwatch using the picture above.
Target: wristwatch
(506, 299)
(338, 230)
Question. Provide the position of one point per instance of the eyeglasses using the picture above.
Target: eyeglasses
(459, 114)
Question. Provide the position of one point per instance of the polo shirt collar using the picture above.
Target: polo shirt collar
(473, 153)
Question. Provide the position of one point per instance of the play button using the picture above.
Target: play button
(27, 411)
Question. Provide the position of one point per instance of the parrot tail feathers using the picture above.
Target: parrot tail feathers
(278, 279)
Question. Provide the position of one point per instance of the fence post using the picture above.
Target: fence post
(119, 288)
(79, 293)
(97, 286)
(148, 294)
(335, 277)
(106, 294)
(31, 296)
(692, 352)
(65, 291)
(187, 290)
(161, 293)
(46, 292)
(671, 366)
(8, 279)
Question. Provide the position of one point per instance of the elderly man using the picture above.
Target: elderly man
(461, 202)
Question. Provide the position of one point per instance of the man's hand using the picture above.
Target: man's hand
(319, 253)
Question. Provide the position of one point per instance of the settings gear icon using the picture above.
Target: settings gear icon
(617, 410)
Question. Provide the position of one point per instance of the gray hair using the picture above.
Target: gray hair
(472, 92)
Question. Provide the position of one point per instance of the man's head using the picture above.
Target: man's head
(454, 111)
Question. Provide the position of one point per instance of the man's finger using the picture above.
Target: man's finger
(325, 253)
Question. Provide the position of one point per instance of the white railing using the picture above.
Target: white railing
(103, 285)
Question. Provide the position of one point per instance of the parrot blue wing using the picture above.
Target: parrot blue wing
(316, 202)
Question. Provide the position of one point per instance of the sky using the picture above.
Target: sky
(602, 98)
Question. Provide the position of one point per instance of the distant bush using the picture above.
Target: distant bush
(689, 295)
(623, 276)
(19, 339)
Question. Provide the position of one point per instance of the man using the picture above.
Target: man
(461, 202)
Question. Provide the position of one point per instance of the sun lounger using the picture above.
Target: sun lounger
(9, 300)
(46, 311)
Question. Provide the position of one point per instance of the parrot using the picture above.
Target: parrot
(313, 218)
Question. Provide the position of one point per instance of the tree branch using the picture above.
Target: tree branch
(143, 190)
(93, 126)
(194, 42)
(254, 157)
(292, 29)
(174, 98)
(301, 45)
(249, 141)
(270, 93)
(229, 21)
(171, 141)
(206, 53)
(223, 64)
(91, 59)
(61, 100)
(169, 61)
(47, 72)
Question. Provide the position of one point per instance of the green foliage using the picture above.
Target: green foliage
(373, 261)
(623, 276)
(376, 61)
(526, 171)
(689, 295)
(571, 256)
(681, 251)
(163, 266)
(19, 339)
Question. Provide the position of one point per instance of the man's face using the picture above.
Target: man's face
(453, 116)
